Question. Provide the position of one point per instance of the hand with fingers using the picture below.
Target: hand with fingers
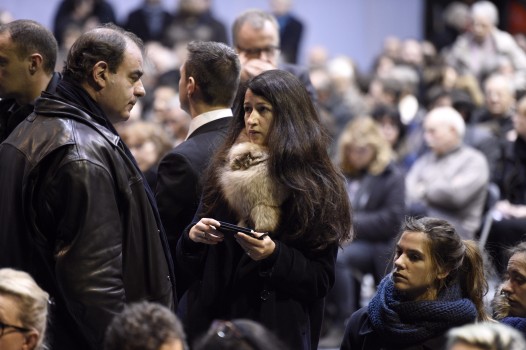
(258, 247)
(205, 232)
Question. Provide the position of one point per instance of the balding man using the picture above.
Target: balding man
(449, 181)
(75, 211)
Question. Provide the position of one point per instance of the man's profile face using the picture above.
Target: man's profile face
(123, 87)
(13, 70)
(262, 43)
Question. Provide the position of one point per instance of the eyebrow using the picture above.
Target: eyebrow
(414, 251)
(138, 72)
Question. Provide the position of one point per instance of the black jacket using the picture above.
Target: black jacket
(74, 214)
(12, 114)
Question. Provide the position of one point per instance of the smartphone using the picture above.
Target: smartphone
(230, 228)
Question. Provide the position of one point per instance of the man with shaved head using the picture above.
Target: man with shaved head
(75, 211)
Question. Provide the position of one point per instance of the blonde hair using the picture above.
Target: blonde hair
(364, 131)
(487, 335)
(32, 301)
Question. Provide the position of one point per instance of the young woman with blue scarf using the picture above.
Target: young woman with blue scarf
(437, 283)
(509, 305)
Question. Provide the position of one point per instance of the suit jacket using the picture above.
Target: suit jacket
(179, 177)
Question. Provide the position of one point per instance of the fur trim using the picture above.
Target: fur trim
(248, 188)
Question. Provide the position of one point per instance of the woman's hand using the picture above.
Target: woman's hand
(205, 232)
(257, 249)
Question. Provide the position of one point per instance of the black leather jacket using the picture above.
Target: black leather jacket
(74, 214)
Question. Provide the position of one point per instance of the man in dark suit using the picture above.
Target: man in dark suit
(208, 84)
(256, 39)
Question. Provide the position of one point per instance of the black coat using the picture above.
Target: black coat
(179, 181)
(359, 335)
(285, 292)
(74, 213)
(11, 114)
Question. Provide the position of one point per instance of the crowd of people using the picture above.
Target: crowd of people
(162, 189)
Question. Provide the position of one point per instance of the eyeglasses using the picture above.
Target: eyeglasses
(268, 51)
(3, 326)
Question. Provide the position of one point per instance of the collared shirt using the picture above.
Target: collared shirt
(206, 118)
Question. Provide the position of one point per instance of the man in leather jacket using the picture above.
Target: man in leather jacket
(28, 54)
(75, 210)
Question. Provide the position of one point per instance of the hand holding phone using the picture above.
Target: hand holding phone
(231, 228)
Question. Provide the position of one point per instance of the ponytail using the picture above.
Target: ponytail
(472, 279)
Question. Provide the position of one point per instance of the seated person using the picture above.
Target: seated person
(449, 181)
(437, 283)
(375, 187)
(509, 224)
(509, 304)
(23, 311)
(485, 336)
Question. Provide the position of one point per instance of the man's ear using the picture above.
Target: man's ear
(35, 62)
(100, 74)
(191, 86)
(31, 340)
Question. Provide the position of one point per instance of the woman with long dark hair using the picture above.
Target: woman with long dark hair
(272, 174)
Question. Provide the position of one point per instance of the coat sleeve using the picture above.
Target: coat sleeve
(305, 278)
(80, 207)
(176, 191)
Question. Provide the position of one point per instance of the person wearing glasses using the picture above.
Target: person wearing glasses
(256, 39)
(23, 311)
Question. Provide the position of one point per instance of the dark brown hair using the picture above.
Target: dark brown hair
(30, 37)
(318, 210)
(105, 43)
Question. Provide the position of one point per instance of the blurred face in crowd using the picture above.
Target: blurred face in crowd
(167, 110)
(360, 156)
(439, 136)
(414, 272)
(390, 130)
(258, 117)
(12, 338)
(122, 88)
(515, 284)
(499, 96)
(482, 27)
(258, 43)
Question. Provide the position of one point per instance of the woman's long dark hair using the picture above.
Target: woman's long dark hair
(317, 211)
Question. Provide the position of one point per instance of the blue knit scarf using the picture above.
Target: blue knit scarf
(519, 323)
(413, 322)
